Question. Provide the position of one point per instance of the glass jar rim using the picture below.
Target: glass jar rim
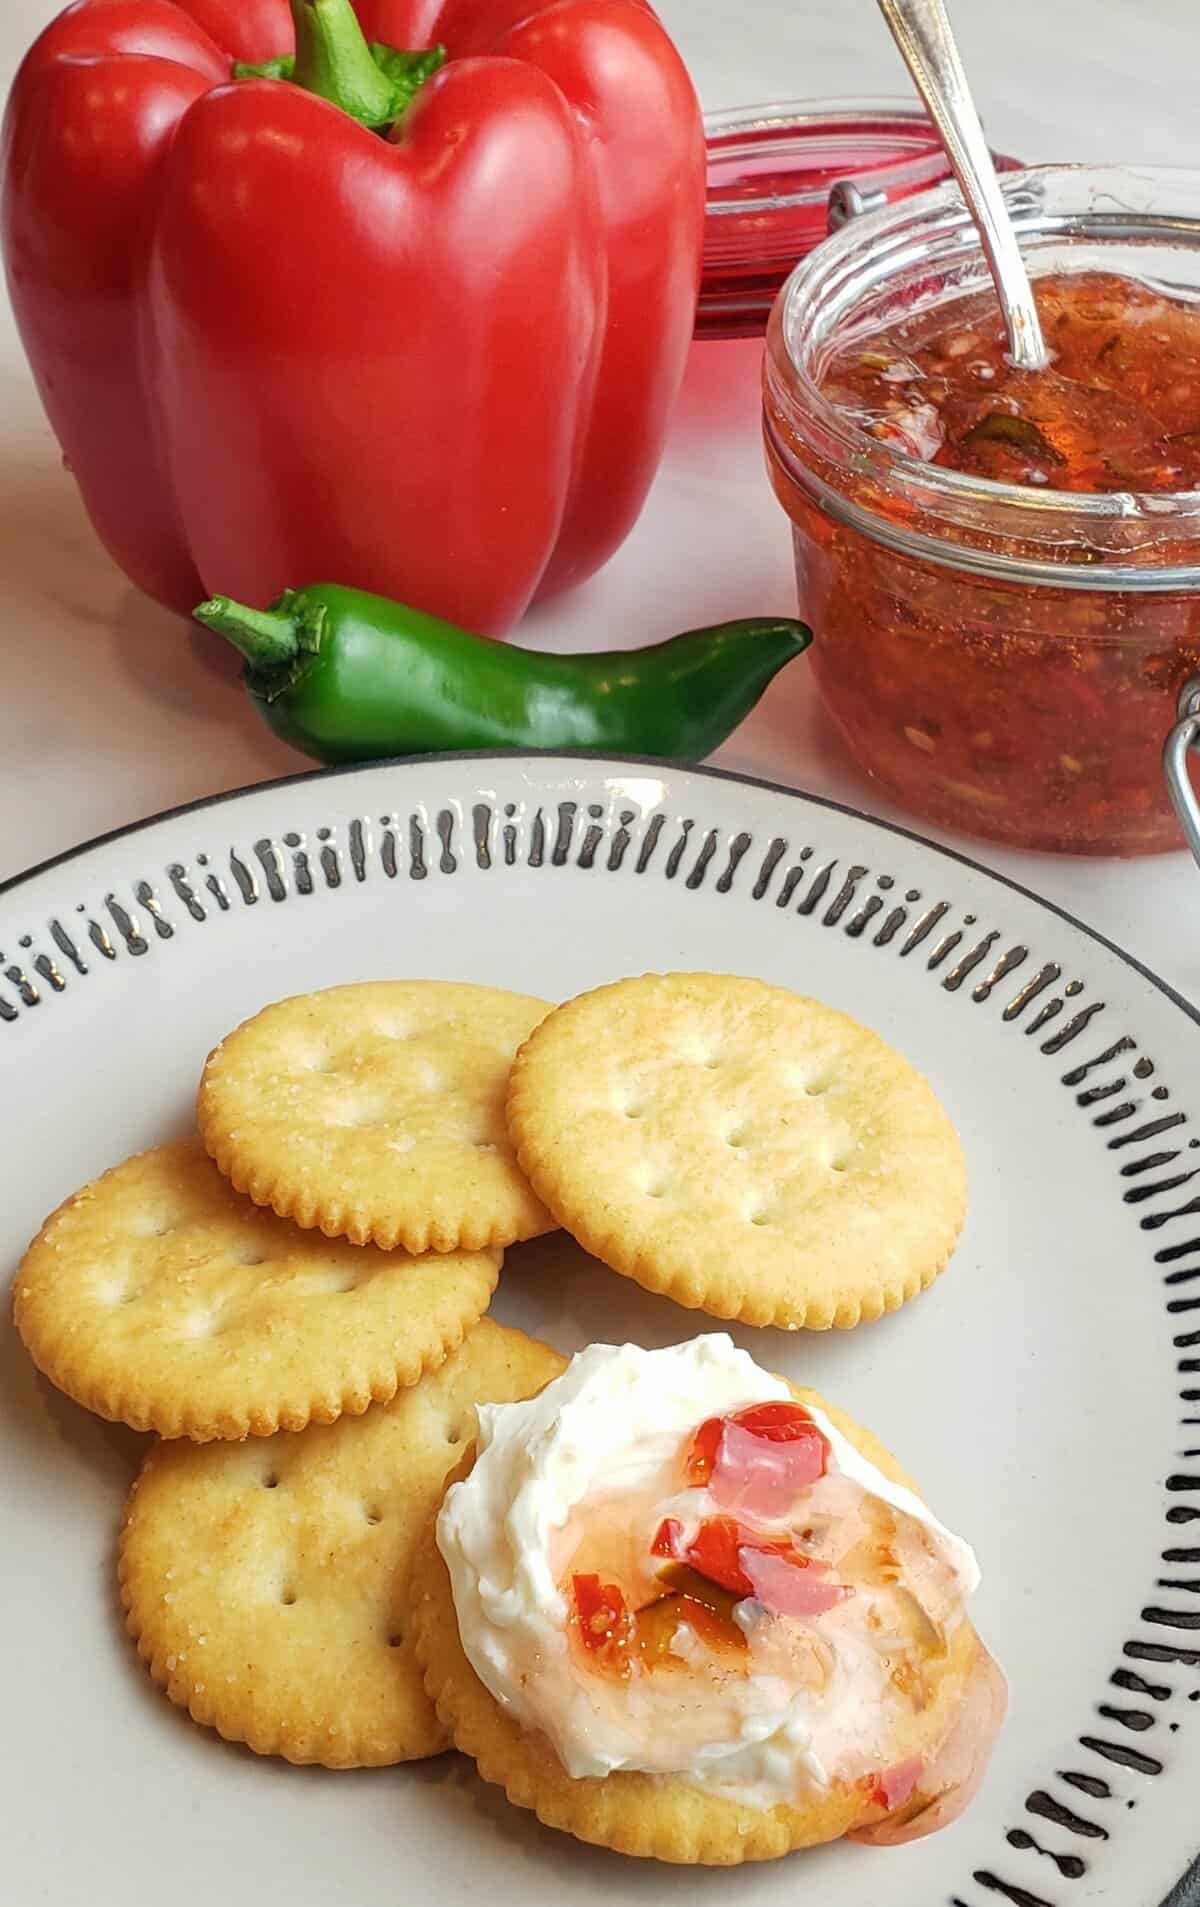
(896, 237)
(783, 173)
(804, 118)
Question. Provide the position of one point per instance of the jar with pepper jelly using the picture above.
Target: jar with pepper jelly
(1002, 570)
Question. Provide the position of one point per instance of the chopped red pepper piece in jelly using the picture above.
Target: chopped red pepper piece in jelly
(895, 1785)
(777, 1423)
(703, 1453)
(668, 1539)
(748, 1563)
(602, 1614)
(790, 1585)
(715, 1551)
(759, 1459)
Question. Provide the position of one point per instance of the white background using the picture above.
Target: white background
(111, 709)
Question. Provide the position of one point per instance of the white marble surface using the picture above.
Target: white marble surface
(110, 709)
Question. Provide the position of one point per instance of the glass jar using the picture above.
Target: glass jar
(780, 176)
(1002, 660)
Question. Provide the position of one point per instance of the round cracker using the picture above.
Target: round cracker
(376, 1113)
(742, 1149)
(662, 1817)
(266, 1584)
(157, 1297)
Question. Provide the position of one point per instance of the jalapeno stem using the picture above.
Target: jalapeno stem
(268, 638)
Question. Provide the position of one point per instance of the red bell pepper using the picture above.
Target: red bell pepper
(273, 343)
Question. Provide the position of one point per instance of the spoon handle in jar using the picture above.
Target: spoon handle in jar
(922, 31)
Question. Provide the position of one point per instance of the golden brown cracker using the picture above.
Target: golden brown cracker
(266, 1583)
(157, 1297)
(376, 1113)
(740, 1148)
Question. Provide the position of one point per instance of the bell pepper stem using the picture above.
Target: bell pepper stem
(406, 72)
(334, 61)
(269, 639)
(375, 84)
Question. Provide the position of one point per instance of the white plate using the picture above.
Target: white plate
(1046, 1392)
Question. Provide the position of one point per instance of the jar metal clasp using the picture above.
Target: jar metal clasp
(847, 200)
(1185, 737)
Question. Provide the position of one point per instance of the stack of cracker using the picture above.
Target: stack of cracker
(294, 1299)
(311, 1369)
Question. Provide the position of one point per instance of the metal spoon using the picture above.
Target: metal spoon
(921, 29)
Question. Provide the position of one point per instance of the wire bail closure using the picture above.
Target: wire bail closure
(1185, 737)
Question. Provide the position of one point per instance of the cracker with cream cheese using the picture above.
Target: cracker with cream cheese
(664, 1816)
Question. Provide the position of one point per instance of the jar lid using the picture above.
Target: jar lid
(781, 176)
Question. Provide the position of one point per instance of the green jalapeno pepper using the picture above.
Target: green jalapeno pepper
(345, 676)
